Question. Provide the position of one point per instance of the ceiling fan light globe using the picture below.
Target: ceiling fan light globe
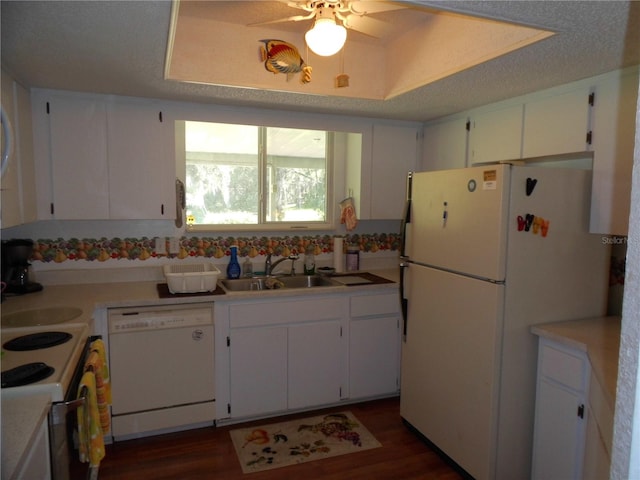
(326, 38)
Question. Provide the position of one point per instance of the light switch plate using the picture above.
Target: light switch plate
(174, 245)
(159, 246)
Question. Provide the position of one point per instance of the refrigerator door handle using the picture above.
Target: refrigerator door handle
(406, 216)
(404, 303)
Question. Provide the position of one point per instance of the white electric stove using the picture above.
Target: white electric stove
(60, 361)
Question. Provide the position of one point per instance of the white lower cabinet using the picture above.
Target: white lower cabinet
(316, 365)
(293, 353)
(286, 354)
(258, 359)
(374, 345)
(560, 413)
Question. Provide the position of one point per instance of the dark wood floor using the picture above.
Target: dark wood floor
(208, 453)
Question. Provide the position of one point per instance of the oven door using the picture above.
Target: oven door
(65, 463)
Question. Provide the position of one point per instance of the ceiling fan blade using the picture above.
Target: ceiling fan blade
(373, 6)
(368, 26)
(295, 18)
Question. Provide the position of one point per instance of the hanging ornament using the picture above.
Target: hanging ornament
(282, 57)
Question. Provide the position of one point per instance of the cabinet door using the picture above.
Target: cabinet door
(80, 176)
(614, 127)
(445, 145)
(258, 361)
(315, 364)
(559, 438)
(141, 169)
(374, 353)
(556, 125)
(496, 135)
(394, 155)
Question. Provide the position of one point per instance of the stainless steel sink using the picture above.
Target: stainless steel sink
(40, 316)
(306, 281)
(275, 283)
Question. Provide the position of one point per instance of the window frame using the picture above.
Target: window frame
(263, 225)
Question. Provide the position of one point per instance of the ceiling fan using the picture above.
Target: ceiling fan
(332, 18)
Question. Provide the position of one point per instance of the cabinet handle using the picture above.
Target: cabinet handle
(581, 410)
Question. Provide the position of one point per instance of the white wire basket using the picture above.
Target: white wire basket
(191, 278)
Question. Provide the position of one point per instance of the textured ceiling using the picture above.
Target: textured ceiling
(120, 48)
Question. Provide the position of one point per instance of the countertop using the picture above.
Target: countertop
(21, 418)
(92, 296)
(599, 337)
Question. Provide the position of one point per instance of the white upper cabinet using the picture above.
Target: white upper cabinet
(557, 124)
(376, 167)
(614, 126)
(495, 135)
(141, 170)
(394, 154)
(18, 181)
(100, 158)
(444, 144)
(78, 156)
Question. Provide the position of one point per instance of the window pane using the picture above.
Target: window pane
(296, 175)
(222, 175)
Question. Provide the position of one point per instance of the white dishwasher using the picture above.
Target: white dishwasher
(161, 362)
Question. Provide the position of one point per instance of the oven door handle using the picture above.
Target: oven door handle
(59, 410)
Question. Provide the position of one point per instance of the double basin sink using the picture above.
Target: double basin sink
(274, 283)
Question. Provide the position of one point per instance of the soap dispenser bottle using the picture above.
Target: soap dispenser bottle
(233, 269)
(247, 268)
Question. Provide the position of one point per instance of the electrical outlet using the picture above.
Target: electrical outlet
(174, 245)
(159, 246)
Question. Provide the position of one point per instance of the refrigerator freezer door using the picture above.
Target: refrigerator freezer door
(459, 220)
(450, 365)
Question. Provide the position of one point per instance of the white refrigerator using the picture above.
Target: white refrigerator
(489, 251)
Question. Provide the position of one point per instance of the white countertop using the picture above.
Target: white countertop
(91, 296)
(599, 337)
(21, 418)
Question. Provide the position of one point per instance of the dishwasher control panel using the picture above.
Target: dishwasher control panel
(137, 319)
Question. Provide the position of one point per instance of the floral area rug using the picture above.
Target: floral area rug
(287, 443)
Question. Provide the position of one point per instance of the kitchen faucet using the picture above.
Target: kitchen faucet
(269, 267)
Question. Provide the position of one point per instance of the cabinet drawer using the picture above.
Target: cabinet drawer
(365, 305)
(283, 312)
(563, 367)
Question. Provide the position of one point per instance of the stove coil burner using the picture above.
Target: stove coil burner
(26, 374)
(36, 341)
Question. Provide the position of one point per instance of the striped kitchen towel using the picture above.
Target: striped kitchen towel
(90, 437)
(95, 365)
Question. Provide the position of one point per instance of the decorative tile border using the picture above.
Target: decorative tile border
(105, 249)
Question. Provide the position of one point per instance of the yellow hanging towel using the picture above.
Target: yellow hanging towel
(90, 437)
(98, 347)
(96, 365)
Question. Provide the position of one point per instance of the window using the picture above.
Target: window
(245, 175)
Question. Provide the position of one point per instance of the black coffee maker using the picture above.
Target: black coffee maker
(15, 267)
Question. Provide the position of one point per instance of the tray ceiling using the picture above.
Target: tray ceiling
(115, 47)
